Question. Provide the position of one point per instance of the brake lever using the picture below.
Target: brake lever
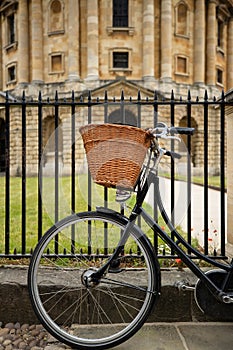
(170, 137)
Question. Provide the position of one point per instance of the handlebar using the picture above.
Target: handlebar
(173, 154)
(181, 130)
(163, 131)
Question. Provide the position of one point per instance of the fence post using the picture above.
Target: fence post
(229, 120)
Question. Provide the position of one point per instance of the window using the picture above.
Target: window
(11, 29)
(120, 60)
(181, 65)
(220, 34)
(11, 74)
(220, 76)
(56, 63)
(120, 13)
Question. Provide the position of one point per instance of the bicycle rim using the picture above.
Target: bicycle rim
(96, 315)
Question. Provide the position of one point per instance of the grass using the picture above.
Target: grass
(48, 197)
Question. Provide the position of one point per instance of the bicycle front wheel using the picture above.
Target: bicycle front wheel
(78, 311)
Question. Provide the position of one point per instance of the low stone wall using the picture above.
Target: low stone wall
(173, 305)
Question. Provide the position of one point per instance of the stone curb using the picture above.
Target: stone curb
(173, 305)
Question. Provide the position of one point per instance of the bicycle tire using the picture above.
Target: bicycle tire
(99, 316)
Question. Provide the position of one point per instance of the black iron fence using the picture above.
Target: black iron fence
(37, 137)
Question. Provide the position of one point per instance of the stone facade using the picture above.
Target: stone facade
(80, 45)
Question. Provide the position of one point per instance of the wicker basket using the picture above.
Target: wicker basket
(115, 153)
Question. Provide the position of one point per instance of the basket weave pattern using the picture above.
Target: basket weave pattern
(115, 153)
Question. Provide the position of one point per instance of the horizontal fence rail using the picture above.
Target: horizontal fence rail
(37, 130)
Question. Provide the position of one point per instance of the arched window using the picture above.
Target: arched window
(183, 145)
(56, 17)
(49, 137)
(122, 117)
(182, 19)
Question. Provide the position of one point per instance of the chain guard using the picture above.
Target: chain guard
(206, 301)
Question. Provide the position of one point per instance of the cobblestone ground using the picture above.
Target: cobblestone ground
(27, 337)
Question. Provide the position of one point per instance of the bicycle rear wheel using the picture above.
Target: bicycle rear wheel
(89, 314)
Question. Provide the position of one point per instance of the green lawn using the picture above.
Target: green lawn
(48, 199)
(48, 207)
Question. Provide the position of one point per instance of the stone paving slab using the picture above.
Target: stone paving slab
(177, 336)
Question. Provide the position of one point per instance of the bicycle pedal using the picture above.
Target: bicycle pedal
(183, 286)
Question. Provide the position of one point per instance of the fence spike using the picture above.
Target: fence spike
(98, 99)
(172, 95)
(139, 95)
(155, 95)
(72, 95)
(122, 95)
(23, 96)
(189, 95)
(15, 251)
(214, 99)
(40, 96)
(206, 96)
(106, 96)
(81, 98)
(197, 99)
(7, 96)
(56, 96)
(89, 96)
(223, 95)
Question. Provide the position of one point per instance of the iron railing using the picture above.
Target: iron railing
(20, 115)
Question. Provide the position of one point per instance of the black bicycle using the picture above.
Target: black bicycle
(94, 277)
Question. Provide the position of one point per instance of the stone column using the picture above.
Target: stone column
(148, 40)
(230, 54)
(229, 119)
(166, 39)
(92, 40)
(73, 58)
(211, 43)
(23, 46)
(199, 42)
(37, 41)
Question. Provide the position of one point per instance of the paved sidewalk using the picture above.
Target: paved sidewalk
(181, 205)
(177, 336)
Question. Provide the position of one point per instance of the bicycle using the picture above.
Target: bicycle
(101, 297)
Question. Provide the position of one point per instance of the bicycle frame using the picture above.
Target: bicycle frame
(180, 241)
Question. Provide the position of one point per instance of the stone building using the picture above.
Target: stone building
(114, 45)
